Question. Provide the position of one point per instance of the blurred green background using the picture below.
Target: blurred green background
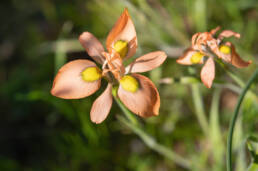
(41, 132)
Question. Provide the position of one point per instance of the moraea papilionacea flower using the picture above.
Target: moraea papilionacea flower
(204, 45)
(81, 78)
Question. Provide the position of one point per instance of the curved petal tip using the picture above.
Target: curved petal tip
(92, 46)
(101, 106)
(147, 62)
(123, 30)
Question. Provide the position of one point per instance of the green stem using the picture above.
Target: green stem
(230, 74)
(151, 143)
(147, 139)
(199, 108)
(233, 121)
(127, 113)
(235, 78)
(215, 132)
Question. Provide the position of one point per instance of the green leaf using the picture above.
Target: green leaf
(252, 145)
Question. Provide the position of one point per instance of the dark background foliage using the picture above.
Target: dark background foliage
(41, 132)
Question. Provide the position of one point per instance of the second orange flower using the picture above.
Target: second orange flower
(204, 45)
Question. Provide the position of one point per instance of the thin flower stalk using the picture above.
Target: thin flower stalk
(234, 119)
(149, 140)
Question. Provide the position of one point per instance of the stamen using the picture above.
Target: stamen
(91, 74)
(129, 83)
(121, 47)
(197, 57)
(225, 49)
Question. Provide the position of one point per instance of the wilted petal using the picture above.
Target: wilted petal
(145, 101)
(228, 33)
(93, 47)
(186, 58)
(101, 106)
(228, 53)
(123, 30)
(235, 58)
(208, 72)
(147, 62)
(68, 83)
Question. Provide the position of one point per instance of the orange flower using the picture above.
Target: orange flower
(203, 45)
(81, 78)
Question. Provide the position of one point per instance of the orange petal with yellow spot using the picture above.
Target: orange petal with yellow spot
(147, 62)
(123, 30)
(101, 106)
(145, 102)
(208, 72)
(185, 59)
(68, 83)
(92, 46)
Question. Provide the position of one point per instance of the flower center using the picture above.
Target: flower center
(197, 57)
(129, 83)
(121, 47)
(91, 74)
(225, 49)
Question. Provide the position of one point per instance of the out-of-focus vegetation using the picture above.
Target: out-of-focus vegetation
(41, 132)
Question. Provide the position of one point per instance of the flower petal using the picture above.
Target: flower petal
(101, 106)
(145, 101)
(92, 46)
(208, 72)
(194, 38)
(228, 54)
(235, 58)
(147, 62)
(68, 83)
(123, 30)
(186, 58)
(214, 31)
(228, 33)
